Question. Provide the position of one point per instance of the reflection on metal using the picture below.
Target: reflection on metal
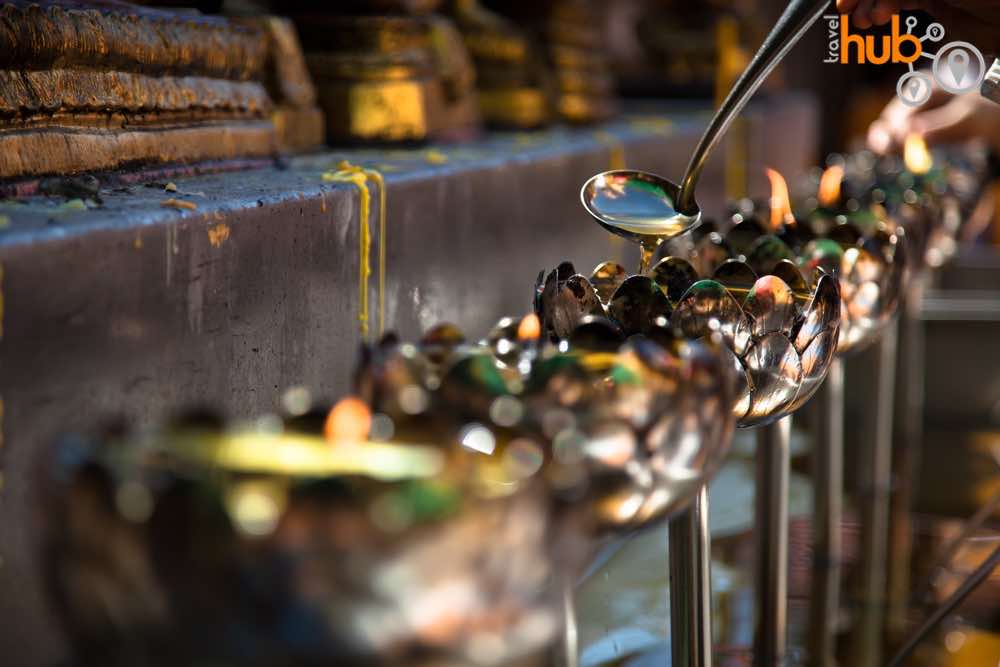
(977, 577)
(691, 586)
(571, 639)
(638, 206)
(780, 338)
(944, 557)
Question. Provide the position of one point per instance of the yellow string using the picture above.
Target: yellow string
(358, 176)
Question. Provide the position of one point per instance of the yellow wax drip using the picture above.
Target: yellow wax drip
(377, 177)
(358, 176)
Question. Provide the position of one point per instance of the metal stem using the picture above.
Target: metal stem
(828, 482)
(690, 586)
(978, 576)
(794, 21)
(875, 462)
(906, 458)
(773, 466)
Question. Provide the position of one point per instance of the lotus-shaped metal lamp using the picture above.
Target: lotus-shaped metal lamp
(860, 246)
(640, 424)
(780, 329)
(273, 544)
(433, 519)
(631, 430)
(929, 194)
(866, 250)
(780, 333)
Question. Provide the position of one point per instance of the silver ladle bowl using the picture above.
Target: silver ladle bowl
(638, 206)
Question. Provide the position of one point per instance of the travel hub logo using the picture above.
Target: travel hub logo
(957, 67)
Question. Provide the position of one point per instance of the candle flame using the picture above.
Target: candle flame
(829, 186)
(529, 328)
(349, 421)
(916, 156)
(781, 205)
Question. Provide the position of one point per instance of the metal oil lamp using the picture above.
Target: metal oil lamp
(929, 196)
(922, 200)
(438, 520)
(867, 253)
(633, 429)
(270, 544)
(780, 333)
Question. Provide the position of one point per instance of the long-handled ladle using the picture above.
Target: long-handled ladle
(649, 209)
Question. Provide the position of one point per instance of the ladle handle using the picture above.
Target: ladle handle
(798, 16)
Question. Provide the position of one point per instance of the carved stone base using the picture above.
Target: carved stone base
(66, 149)
(95, 87)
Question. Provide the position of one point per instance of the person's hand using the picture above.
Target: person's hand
(976, 21)
(942, 119)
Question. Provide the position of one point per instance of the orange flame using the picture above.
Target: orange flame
(915, 154)
(781, 203)
(829, 186)
(349, 421)
(529, 328)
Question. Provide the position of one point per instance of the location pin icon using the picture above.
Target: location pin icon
(914, 89)
(958, 63)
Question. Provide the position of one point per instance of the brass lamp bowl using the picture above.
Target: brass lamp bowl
(779, 330)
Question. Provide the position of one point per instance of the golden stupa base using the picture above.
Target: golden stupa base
(512, 78)
(538, 62)
(390, 78)
(524, 108)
